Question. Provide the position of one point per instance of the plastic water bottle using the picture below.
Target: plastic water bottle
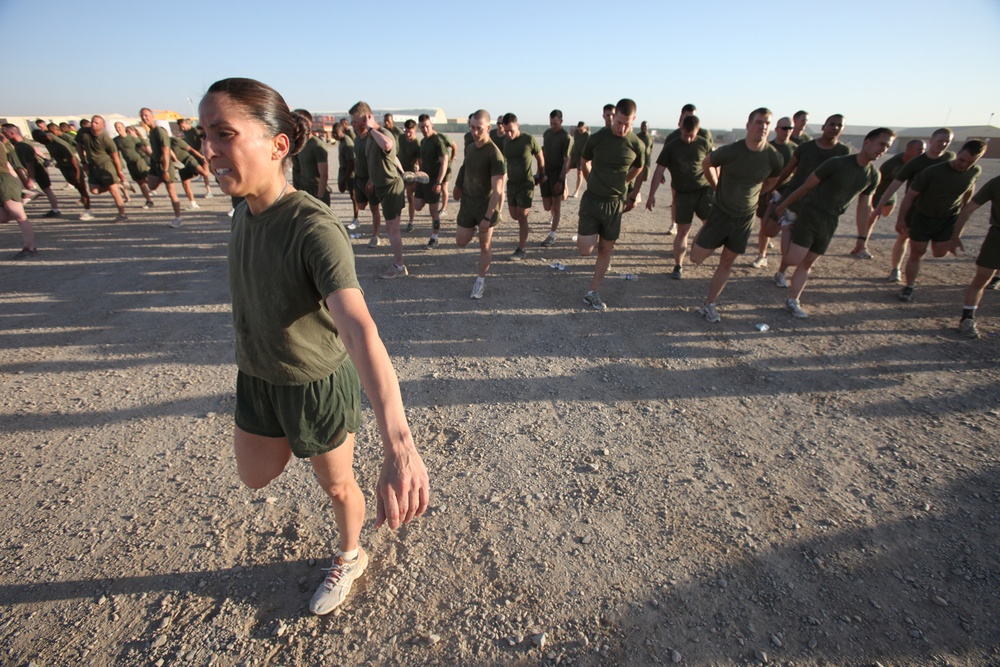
(559, 266)
(628, 276)
(763, 327)
(355, 236)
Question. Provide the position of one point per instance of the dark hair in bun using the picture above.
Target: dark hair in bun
(266, 105)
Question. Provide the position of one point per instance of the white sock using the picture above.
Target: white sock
(349, 555)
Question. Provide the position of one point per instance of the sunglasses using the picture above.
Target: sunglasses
(785, 128)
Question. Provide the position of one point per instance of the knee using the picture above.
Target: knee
(340, 490)
(256, 479)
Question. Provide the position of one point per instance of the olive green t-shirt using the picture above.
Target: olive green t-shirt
(990, 193)
(518, 154)
(158, 140)
(495, 138)
(799, 140)
(60, 152)
(811, 155)
(305, 166)
(432, 153)
(918, 164)
(180, 149)
(942, 189)
(841, 180)
(579, 141)
(345, 153)
(192, 138)
(361, 161)
(12, 157)
(683, 161)
(382, 169)
(467, 138)
(743, 172)
(99, 149)
(27, 155)
(887, 174)
(702, 132)
(397, 134)
(612, 157)
(409, 152)
(555, 148)
(647, 140)
(128, 146)
(283, 264)
(480, 166)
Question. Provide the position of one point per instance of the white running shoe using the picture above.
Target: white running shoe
(760, 262)
(339, 579)
(177, 222)
(780, 280)
(478, 288)
(792, 306)
(86, 215)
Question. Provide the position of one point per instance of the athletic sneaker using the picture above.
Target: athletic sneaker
(518, 255)
(895, 276)
(967, 328)
(121, 218)
(337, 585)
(149, 204)
(432, 243)
(709, 312)
(86, 215)
(416, 177)
(373, 243)
(231, 213)
(177, 222)
(780, 280)
(593, 299)
(792, 305)
(396, 272)
(760, 262)
(994, 283)
(478, 288)
(906, 295)
(672, 230)
(52, 214)
(548, 241)
(409, 226)
(193, 205)
(209, 195)
(26, 252)
(862, 254)
(353, 224)
(678, 272)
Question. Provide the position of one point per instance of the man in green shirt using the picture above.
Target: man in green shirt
(453, 149)
(745, 169)
(409, 160)
(63, 155)
(556, 148)
(161, 163)
(345, 173)
(34, 167)
(365, 197)
(827, 193)
(385, 182)
(478, 188)
(799, 120)
(389, 123)
(98, 151)
(937, 196)
(782, 130)
(434, 162)
(805, 158)
(310, 166)
(683, 158)
(705, 133)
(887, 174)
(129, 145)
(518, 150)
(937, 153)
(988, 261)
(576, 161)
(616, 156)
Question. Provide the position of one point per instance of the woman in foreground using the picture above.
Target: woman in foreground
(304, 336)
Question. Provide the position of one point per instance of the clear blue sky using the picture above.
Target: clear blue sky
(916, 63)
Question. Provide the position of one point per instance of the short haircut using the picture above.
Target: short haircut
(360, 109)
(508, 118)
(40, 136)
(879, 131)
(688, 108)
(409, 123)
(915, 143)
(84, 122)
(387, 116)
(422, 117)
(800, 113)
(555, 113)
(839, 116)
(39, 121)
(53, 126)
(974, 146)
(482, 115)
(759, 110)
(609, 107)
(305, 114)
(11, 126)
(690, 123)
(943, 130)
(581, 124)
(625, 106)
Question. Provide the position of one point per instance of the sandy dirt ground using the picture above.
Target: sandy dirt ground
(622, 488)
